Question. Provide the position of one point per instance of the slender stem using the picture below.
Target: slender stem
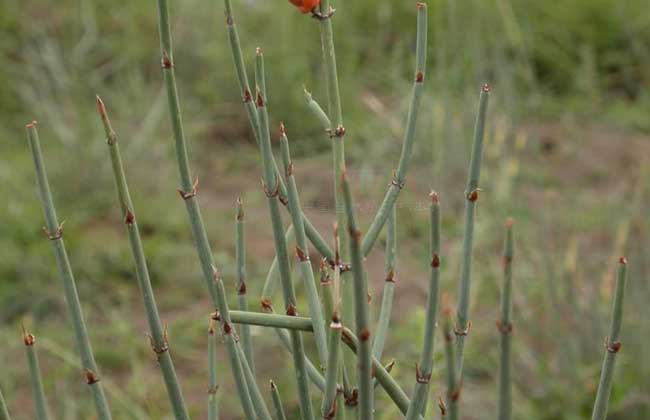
(256, 396)
(272, 320)
(4, 411)
(471, 199)
(613, 345)
(159, 341)
(302, 251)
(424, 369)
(277, 403)
(271, 187)
(409, 134)
(240, 256)
(213, 386)
(272, 277)
(240, 70)
(188, 193)
(55, 233)
(453, 386)
(328, 407)
(281, 322)
(504, 326)
(42, 412)
(389, 286)
(314, 374)
(361, 310)
(317, 111)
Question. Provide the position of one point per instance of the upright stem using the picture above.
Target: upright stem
(277, 403)
(54, 232)
(329, 405)
(271, 189)
(613, 345)
(272, 277)
(213, 386)
(159, 338)
(42, 412)
(361, 311)
(399, 178)
(424, 368)
(188, 194)
(240, 70)
(4, 411)
(240, 256)
(471, 198)
(302, 251)
(504, 326)
(389, 286)
(453, 384)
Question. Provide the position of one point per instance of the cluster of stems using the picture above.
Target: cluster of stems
(340, 322)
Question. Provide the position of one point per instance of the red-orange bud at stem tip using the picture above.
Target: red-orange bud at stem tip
(305, 6)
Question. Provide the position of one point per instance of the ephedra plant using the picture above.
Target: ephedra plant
(341, 381)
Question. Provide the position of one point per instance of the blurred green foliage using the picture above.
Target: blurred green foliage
(569, 126)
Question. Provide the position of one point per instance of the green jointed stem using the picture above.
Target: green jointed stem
(317, 111)
(213, 386)
(4, 411)
(505, 327)
(55, 233)
(271, 320)
(453, 385)
(361, 310)
(328, 407)
(272, 277)
(271, 189)
(277, 403)
(256, 396)
(399, 177)
(240, 256)
(613, 345)
(302, 251)
(188, 193)
(159, 342)
(471, 198)
(389, 286)
(424, 368)
(251, 111)
(42, 412)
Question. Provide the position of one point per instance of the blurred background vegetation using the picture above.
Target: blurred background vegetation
(567, 156)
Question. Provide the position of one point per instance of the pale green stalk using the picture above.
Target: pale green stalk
(315, 108)
(302, 251)
(613, 346)
(4, 411)
(271, 320)
(188, 193)
(453, 385)
(277, 403)
(40, 402)
(399, 177)
(240, 256)
(213, 386)
(240, 70)
(257, 399)
(424, 368)
(271, 189)
(328, 407)
(471, 198)
(504, 326)
(389, 286)
(159, 341)
(55, 233)
(272, 277)
(366, 394)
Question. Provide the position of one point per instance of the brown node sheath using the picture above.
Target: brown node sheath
(486, 88)
(215, 316)
(505, 329)
(271, 194)
(90, 376)
(227, 329)
(58, 234)
(166, 62)
(186, 195)
(129, 218)
(352, 398)
(242, 288)
(442, 406)
(419, 77)
(259, 100)
(454, 394)
(364, 335)
(213, 390)
(420, 377)
(473, 195)
(622, 260)
(320, 16)
(291, 310)
(390, 276)
(247, 96)
(397, 182)
(31, 124)
(464, 332)
(613, 346)
(302, 256)
(354, 233)
(267, 305)
(28, 338)
(331, 413)
(435, 261)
